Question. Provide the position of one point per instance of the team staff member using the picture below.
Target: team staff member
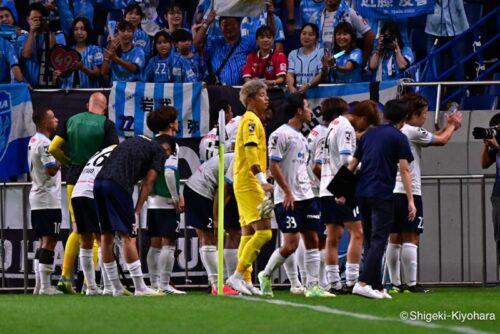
(45, 199)
(250, 183)
(86, 133)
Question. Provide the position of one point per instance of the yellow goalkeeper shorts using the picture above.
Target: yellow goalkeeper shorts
(247, 205)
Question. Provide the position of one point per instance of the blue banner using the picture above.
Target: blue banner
(394, 9)
(130, 102)
(16, 128)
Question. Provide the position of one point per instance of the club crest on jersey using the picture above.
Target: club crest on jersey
(5, 122)
(251, 127)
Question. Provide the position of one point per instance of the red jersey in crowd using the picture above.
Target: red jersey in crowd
(268, 67)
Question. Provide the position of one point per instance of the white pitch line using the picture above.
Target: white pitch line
(363, 316)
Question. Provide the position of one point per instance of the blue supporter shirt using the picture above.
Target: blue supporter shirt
(356, 57)
(390, 69)
(249, 26)
(309, 7)
(8, 59)
(31, 70)
(304, 67)
(141, 39)
(379, 152)
(186, 69)
(216, 51)
(158, 69)
(92, 56)
(134, 56)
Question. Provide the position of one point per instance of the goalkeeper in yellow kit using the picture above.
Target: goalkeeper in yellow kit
(250, 184)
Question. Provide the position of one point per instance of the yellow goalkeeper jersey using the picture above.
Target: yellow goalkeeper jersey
(250, 132)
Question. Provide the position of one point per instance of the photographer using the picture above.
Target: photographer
(36, 44)
(391, 57)
(490, 155)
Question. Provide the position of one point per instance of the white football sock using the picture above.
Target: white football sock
(36, 264)
(392, 257)
(311, 262)
(153, 259)
(87, 261)
(409, 263)
(104, 275)
(231, 261)
(301, 261)
(112, 271)
(208, 255)
(291, 270)
(136, 273)
(332, 273)
(275, 261)
(322, 272)
(352, 273)
(45, 271)
(167, 260)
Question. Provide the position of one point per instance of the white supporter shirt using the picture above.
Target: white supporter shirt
(417, 137)
(161, 202)
(208, 144)
(84, 187)
(205, 180)
(340, 140)
(45, 189)
(316, 141)
(289, 146)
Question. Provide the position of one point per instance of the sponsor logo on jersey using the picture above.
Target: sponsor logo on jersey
(251, 127)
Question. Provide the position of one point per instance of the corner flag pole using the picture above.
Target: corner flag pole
(220, 218)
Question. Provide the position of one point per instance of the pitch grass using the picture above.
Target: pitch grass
(198, 312)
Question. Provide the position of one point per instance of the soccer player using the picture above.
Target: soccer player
(296, 209)
(250, 183)
(138, 158)
(379, 151)
(405, 234)
(45, 199)
(208, 144)
(339, 147)
(86, 133)
(199, 191)
(164, 207)
(87, 222)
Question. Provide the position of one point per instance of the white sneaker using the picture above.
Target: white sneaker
(238, 285)
(36, 290)
(50, 291)
(148, 292)
(384, 294)
(170, 290)
(253, 289)
(366, 291)
(94, 291)
(297, 290)
(122, 293)
(107, 292)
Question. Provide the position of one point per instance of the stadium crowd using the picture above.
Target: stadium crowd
(168, 41)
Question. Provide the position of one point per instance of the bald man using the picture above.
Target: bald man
(86, 133)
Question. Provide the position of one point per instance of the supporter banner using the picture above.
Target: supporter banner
(356, 92)
(389, 9)
(16, 127)
(239, 8)
(129, 103)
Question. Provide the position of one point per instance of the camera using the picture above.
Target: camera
(50, 24)
(485, 133)
(388, 41)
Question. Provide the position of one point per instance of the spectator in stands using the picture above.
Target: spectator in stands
(309, 7)
(124, 60)
(447, 21)
(347, 67)
(173, 18)
(134, 15)
(35, 46)
(12, 8)
(68, 13)
(266, 64)
(304, 64)
(187, 66)
(337, 11)
(7, 18)
(224, 55)
(9, 64)
(391, 56)
(249, 26)
(87, 71)
(159, 67)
